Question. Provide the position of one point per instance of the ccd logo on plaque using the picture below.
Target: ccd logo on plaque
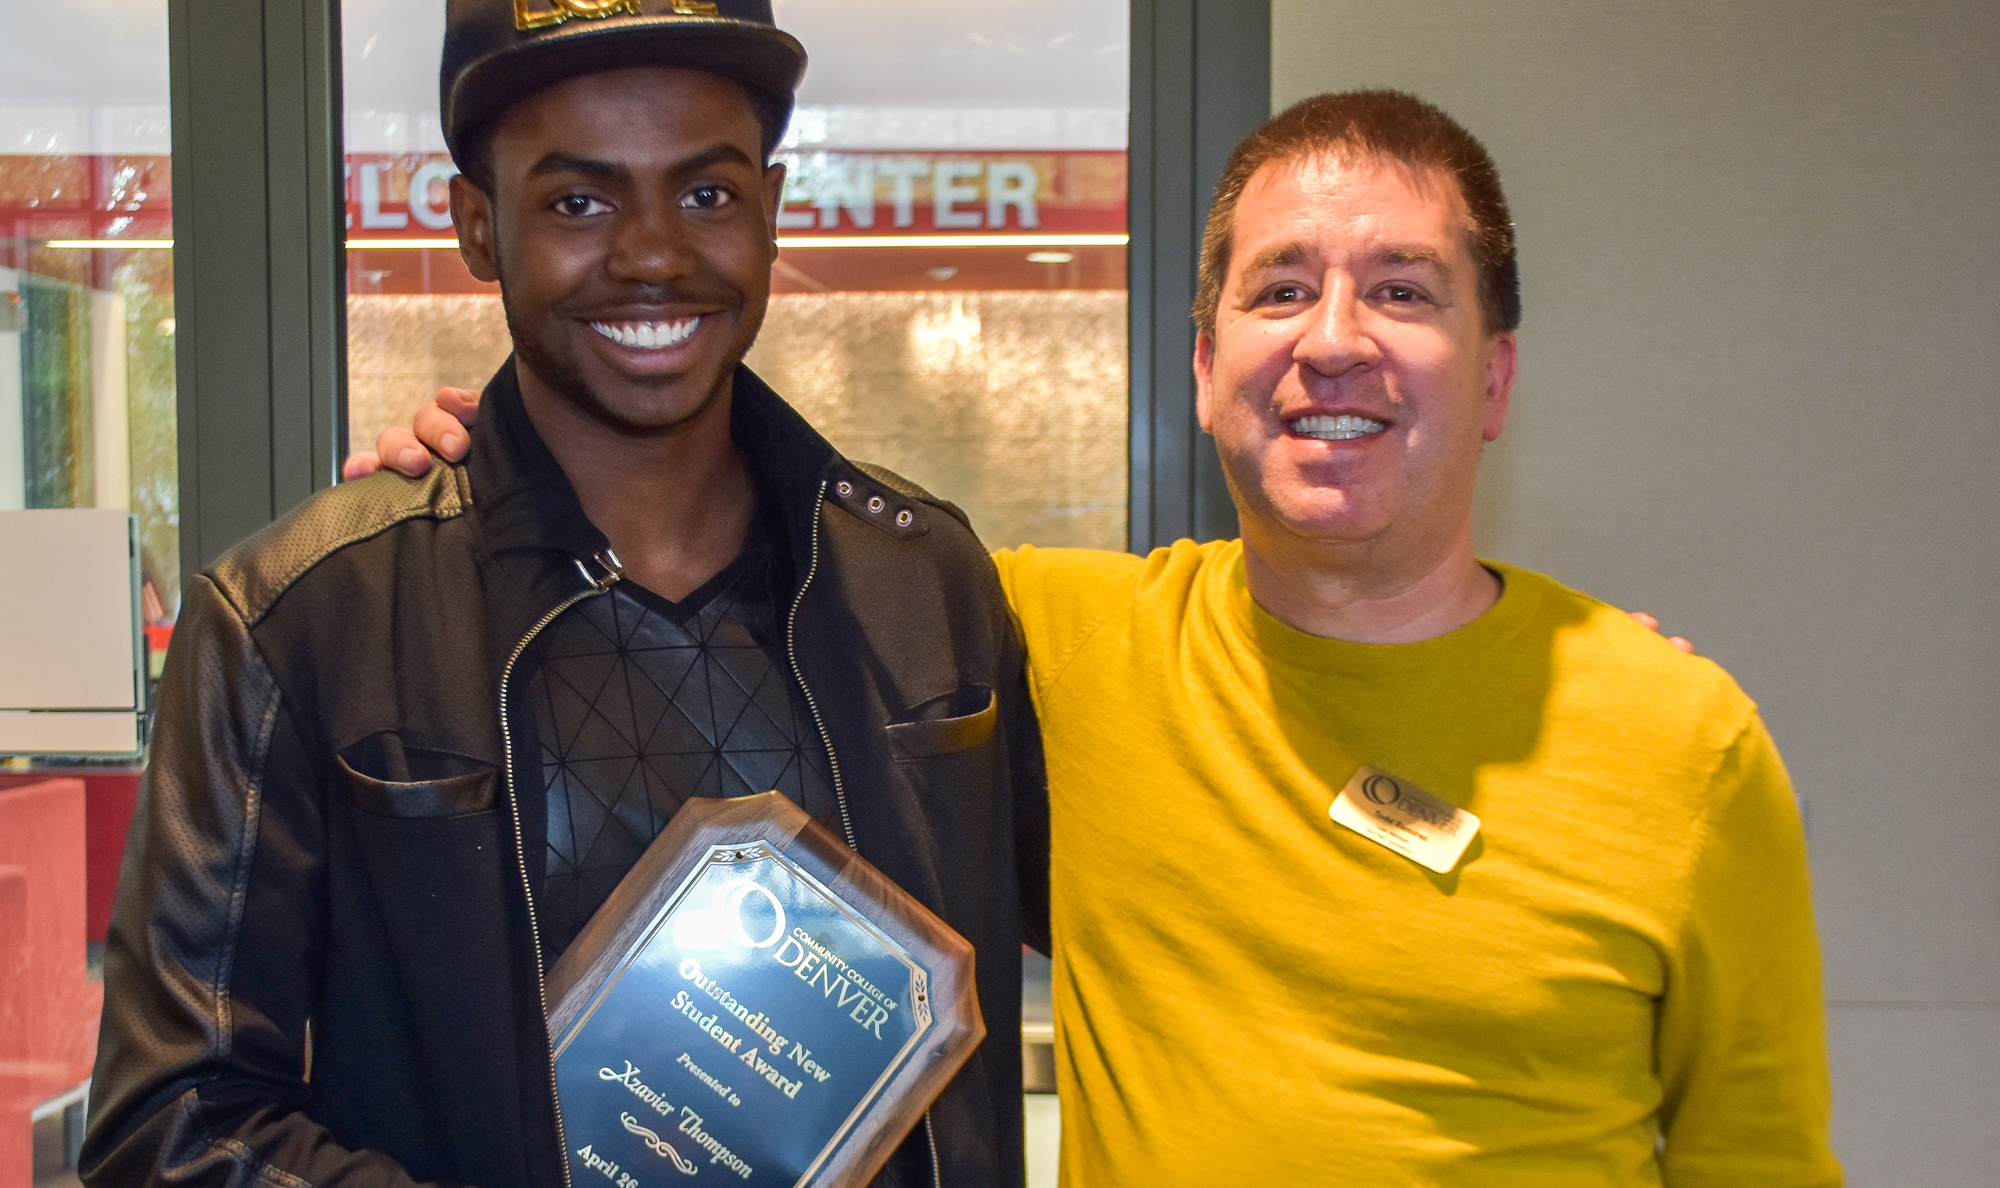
(1381, 789)
(729, 918)
(729, 906)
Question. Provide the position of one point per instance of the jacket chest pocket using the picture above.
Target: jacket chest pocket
(434, 853)
(385, 778)
(425, 823)
(949, 725)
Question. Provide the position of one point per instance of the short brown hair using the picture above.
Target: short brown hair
(1391, 125)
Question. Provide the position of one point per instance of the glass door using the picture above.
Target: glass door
(87, 410)
(89, 524)
(949, 299)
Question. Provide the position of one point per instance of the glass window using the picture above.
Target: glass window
(86, 272)
(87, 421)
(949, 299)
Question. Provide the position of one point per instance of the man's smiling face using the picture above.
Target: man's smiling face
(1349, 381)
(630, 228)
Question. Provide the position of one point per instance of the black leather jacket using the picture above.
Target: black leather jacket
(322, 967)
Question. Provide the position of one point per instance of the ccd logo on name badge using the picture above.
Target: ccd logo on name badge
(1381, 789)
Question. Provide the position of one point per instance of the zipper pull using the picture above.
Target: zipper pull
(613, 570)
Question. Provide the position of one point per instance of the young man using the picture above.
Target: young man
(1273, 962)
(416, 732)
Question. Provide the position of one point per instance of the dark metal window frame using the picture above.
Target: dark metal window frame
(1201, 81)
(259, 276)
(260, 279)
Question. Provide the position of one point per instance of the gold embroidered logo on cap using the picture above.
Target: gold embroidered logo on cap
(565, 9)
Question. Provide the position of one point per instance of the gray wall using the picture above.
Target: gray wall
(1760, 396)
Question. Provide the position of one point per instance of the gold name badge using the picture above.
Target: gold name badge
(598, 10)
(1405, 818)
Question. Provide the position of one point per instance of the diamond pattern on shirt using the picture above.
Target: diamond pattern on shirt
(639, 704)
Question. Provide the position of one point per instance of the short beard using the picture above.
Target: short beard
(563, 378)
(566, 381)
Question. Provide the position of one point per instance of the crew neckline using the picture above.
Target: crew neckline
(1277, 641)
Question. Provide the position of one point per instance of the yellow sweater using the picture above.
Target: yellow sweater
(1618, 985)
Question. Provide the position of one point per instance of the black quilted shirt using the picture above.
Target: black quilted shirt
(640, 703)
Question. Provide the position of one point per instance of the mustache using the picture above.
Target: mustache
(681, 293)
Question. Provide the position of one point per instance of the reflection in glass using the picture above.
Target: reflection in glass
(87, 420)
(87, 407)
(949, 300)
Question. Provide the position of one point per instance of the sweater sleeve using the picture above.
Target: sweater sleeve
(1058, 597)
(1742, 1039)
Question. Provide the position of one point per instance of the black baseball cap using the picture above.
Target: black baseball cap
(499, 51)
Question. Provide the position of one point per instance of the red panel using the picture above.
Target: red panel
(800, 270)
(400, 272)
(59, 840)
(52, 1037)
(1072, 193)
(17, 1093)
(1050, 191)
(109, 800)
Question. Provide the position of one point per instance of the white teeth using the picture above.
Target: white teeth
(650, 336)
(1344, 427)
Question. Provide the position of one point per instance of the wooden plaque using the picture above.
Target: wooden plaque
(755, 1004)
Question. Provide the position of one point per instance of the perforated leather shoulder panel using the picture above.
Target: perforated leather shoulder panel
(253, 574)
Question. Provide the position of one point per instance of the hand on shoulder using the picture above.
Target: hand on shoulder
(440, 425)
(1652, 624)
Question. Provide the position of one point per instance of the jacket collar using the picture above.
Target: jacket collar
(789, 459)
(525, 500)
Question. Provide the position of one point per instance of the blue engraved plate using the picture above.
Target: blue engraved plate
(744, 1036)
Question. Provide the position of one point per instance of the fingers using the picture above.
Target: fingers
(360, 464)
(441, 431)
(462, 403)
(1652, 624)
(400, 451)
(440, 426)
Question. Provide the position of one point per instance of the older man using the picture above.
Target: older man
(1375, 863)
